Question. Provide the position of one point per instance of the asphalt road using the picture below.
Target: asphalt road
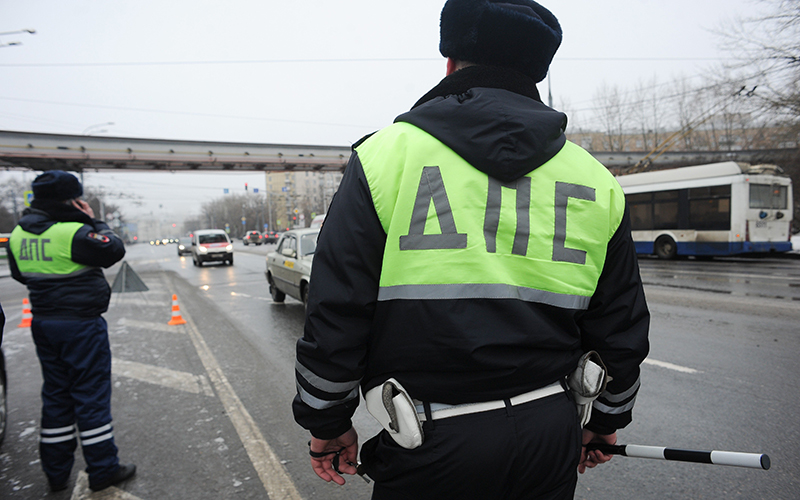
(203, 408)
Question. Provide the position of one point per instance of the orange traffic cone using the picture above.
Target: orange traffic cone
(26, 314)
(177, 319)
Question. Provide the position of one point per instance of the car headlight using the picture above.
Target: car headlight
(229, 248)
(181, 247)
(203, 250)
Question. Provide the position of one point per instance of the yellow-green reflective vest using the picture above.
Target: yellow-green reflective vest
(46, 255)
(454, 232)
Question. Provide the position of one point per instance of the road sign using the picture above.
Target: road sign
(255, 190)
(284, 189)
(225, 191)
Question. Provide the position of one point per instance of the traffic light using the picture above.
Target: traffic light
(245, 186)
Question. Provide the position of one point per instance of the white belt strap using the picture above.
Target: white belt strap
(439, 410)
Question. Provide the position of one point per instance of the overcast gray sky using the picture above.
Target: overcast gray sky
(302, 72)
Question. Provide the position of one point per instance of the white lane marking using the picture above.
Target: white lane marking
(272, 473)
(173, 379)
(150, 325)
(237, 294)
(81, 491)
(670, 366)
(726, 275)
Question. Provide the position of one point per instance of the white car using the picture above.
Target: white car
(289, 266)
(211, 245)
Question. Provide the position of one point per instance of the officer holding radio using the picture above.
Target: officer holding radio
(58, 250)
(475, 278)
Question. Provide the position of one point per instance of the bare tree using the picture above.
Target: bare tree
(646, 113)
(686, 104)
(766, 55)
(612, 112)
(238, 213)
(11, 198)
(7, 220)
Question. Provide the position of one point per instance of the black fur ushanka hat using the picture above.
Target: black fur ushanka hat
(56, 185)
(518, 34)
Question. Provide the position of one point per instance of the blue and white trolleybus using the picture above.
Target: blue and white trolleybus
(710, 210)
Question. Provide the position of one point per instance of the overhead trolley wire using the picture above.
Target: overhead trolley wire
(336, 61)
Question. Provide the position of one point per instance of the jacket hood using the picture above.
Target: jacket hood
(492, 118)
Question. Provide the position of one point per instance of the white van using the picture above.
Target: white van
(317, 221)
(209, 245)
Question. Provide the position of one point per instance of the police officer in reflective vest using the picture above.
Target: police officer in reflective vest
(470, 262)
(57, 250)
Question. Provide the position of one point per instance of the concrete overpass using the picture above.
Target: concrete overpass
(35, 151)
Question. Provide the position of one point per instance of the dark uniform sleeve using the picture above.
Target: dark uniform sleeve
(331, 355)
(97, 246)
(12, 265)
(616, 325)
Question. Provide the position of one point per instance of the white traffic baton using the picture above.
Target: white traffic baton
(734, 458)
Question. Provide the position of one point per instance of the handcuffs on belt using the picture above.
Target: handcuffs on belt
(335, 461)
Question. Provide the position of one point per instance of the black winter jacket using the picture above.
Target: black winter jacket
(466, 350)
(87, 294)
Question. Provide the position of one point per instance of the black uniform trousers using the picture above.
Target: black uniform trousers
(529, 451)
(76, 397)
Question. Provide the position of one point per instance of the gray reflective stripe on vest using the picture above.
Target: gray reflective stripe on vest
(57, 276)
(324, 385)
(482, 291)
(321, 404)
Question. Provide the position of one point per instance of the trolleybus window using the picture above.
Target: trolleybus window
(665, 209)
(772, 196)
(641, 209)
(710, 208)
(706, 208)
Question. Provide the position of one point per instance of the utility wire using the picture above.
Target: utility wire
(333, 61)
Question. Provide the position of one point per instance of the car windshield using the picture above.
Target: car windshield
(308, 244)
(185, 241)
(212, 238)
